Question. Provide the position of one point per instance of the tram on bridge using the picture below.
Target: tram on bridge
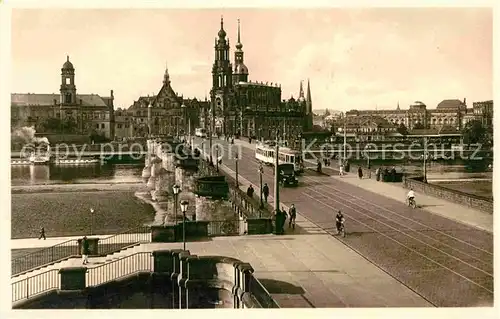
(265, 153)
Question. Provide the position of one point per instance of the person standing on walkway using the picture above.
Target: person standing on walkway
(283, 220)
(360, 172)
(377, 173)
(250, 191)
(293, 214)
(265, 191)
(85, 250)
(42, 234)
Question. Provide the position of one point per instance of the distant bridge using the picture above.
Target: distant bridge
(98, 154)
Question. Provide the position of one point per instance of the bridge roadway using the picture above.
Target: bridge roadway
(447, 263)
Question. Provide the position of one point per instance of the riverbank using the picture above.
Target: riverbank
(64, 210)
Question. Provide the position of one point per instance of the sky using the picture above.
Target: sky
(354, 58)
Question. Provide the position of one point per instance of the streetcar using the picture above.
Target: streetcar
(265, 153)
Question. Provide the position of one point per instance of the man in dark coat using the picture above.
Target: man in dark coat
(85, 250)
(42, 234)
(250, 191)
(265, 191)
(360, 172)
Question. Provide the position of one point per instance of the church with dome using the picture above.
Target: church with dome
(240, 106)
(67, 112)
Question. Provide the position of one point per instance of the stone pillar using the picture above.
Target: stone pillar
(73, 278)
(163, 261)
(236, 290)
(203, 208)
(195, 271)
(174, 277)
(181, 280)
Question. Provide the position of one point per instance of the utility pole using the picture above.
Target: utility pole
(345, 138)
(425, 160)
(276, 175)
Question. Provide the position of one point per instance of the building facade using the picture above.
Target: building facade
(165, 113)
(74, 113)
(239, 106)
(450, 113)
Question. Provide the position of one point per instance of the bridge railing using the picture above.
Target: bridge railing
(70, 248)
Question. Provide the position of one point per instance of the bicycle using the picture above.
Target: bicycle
(341, 230)
(411, 202)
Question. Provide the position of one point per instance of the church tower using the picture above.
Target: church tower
(222, 80)
(240, 69)
(68, 88)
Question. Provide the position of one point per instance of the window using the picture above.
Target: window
(119, 126)
(103, 125)
(97, 125)
(68, 81)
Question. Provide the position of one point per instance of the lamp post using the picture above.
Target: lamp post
(276, 175)
(176, 189)
(91, 220)
(184, 207)
(261, 171)
(237, 158)
(217, 156)
(425, 160)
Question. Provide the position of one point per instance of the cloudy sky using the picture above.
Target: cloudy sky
(354, 58)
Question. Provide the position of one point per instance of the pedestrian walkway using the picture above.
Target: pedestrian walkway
(458, 213)
(298, 270)
(395, 191)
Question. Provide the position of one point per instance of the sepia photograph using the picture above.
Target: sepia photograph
(219, 157)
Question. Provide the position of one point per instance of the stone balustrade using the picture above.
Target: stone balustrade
(187, 281)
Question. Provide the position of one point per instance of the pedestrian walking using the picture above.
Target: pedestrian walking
(377, 173)
(360, 172)
(250, 191)
(265, 191)
(293, 214)
(42, 234)
(85, 250)
(285, 215)
(341, 170)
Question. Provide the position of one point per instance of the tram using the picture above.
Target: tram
(265, 153)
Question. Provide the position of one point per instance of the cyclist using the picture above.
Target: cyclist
(339, 219)
(410, 196)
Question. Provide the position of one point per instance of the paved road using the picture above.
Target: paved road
(447, 263)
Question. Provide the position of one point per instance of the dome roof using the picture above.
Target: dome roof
(241, 69)
(67, 64)
(222, 33)
(239, 46)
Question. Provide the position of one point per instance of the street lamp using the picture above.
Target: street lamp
(176, 189)
(237, 157)
(425, 160)
(91, 220)
(261, 171)
(184, 207)
(217, 156)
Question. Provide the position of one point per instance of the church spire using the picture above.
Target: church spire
(239, 46)
(166, 77)
(308, 97)
(398, 107)
(301, 91)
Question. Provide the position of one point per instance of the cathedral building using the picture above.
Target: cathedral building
(73, 113)
(249, 108)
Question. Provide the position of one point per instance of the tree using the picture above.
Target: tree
(402, 129)
(474, 132)
(418, 126)
(55, 125)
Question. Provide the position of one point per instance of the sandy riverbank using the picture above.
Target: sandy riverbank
(64, 209)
